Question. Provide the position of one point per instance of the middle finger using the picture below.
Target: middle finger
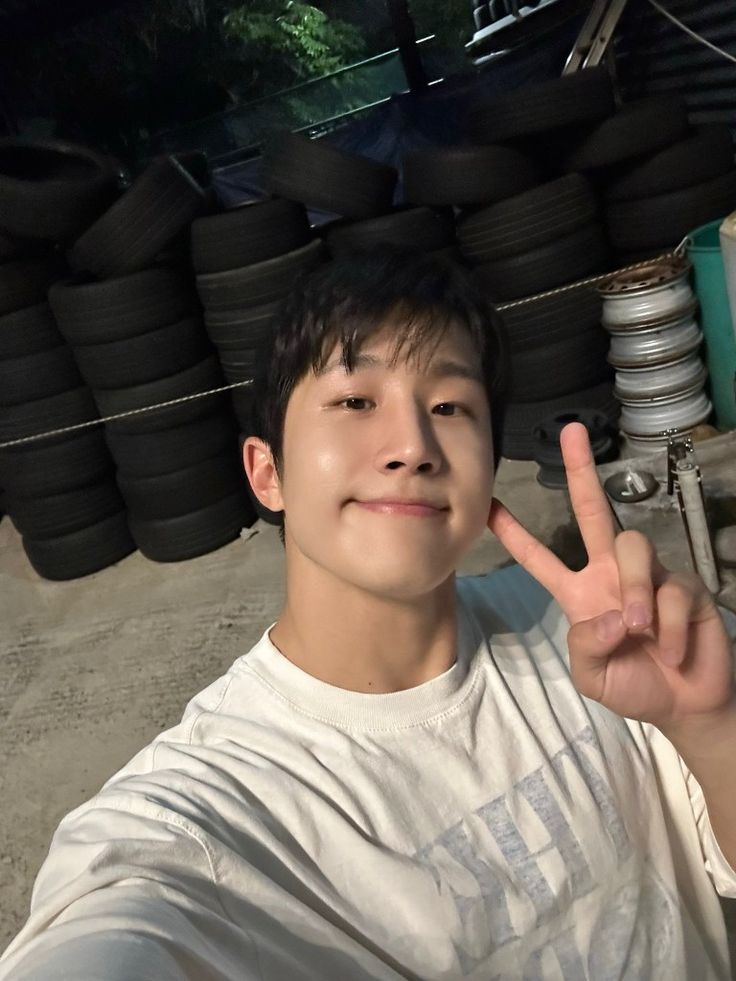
(589, 502)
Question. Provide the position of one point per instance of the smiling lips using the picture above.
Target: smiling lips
(417, 507)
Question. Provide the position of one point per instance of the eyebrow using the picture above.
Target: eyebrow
(438, 369)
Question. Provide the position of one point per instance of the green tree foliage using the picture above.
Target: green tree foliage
(306, 42)
(148, 65)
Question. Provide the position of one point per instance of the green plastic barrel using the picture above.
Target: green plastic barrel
(704, 252)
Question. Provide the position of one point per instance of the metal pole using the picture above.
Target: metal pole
(406, 42)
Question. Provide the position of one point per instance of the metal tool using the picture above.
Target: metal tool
(685, 480)
(595, 36)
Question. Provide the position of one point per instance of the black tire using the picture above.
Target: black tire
(141, 455)
(250, 233)
(46, 468)
(38, 376)
(25, 282)
(235, 328)
(517, 441)
(549, 319)
(321, 176)
(540, 108)
(43, 415)
(82, 552)
(50, 189)
(142, 359)
(183, 491)
(242, 402)
(466, 175)
(260, 283)
(162, 201)
(190, 535)
(412, 228)
(123, 307)
(658, 222)
(560, 368)
(528, 220)
(40, 518)
(639, 128)
(698, 158)
(572, 257)
(201, 377)
(28, 331)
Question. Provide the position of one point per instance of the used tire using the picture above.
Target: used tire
(528, 220)
(145, 358)
(40, 518)
(183, 491)
(25, 282)
(662, 221)
(413, 228)
(570, 258)
(201, 377)
(37, 376)
(694, 160)
(162, 201)
(236, 328)
(51, 189)
(582, 97)
(190, 535)
(28, 331)
(250, 233)
(122, 307)
(45, 414)
(637, 129)
(141, 455)
(547, 319)
(46, 468)
(560, 367)
(517, 440)
(466, 175)
(82, 552)
(321, 176)
(260, 283)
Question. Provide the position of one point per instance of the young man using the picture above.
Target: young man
(413, 776)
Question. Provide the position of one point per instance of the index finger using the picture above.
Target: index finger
(528, 551)
(589, 502)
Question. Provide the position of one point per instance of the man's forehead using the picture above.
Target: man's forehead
(454, 355)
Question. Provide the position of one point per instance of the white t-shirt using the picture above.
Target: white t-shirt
(488, 824)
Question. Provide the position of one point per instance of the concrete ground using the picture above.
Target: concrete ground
(93, 669)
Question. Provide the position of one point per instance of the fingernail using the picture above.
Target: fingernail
(609, 625)
(637, 615)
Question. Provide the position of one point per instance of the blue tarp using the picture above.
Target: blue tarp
(411, 120)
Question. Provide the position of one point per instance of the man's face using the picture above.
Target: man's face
(414, 431)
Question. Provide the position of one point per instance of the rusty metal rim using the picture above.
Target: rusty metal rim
(646, 279)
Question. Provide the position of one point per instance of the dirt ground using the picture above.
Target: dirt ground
(92, 670)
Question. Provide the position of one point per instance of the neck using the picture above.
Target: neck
(358, 641)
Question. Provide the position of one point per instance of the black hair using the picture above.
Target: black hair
(348, 300)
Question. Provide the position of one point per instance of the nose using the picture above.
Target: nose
(410, 441)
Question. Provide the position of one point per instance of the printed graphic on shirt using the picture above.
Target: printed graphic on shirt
(547, 908)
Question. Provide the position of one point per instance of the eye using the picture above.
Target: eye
(446, 405)
(354, 398)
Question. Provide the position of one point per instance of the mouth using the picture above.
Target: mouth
(417, 510)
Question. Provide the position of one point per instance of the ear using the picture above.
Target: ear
(261, 472)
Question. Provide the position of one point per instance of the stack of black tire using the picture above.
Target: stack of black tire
(246, 260)
(60, 492)
(654, 179)
(136, 330)
(526, 231)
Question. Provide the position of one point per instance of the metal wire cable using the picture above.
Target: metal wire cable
(688, 30)
(63, 430)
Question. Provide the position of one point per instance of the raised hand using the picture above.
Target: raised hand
(647, 643)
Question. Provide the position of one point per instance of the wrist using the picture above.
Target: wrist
(704, 735)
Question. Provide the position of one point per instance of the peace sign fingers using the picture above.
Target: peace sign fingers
(589, 502)
(528, 551)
